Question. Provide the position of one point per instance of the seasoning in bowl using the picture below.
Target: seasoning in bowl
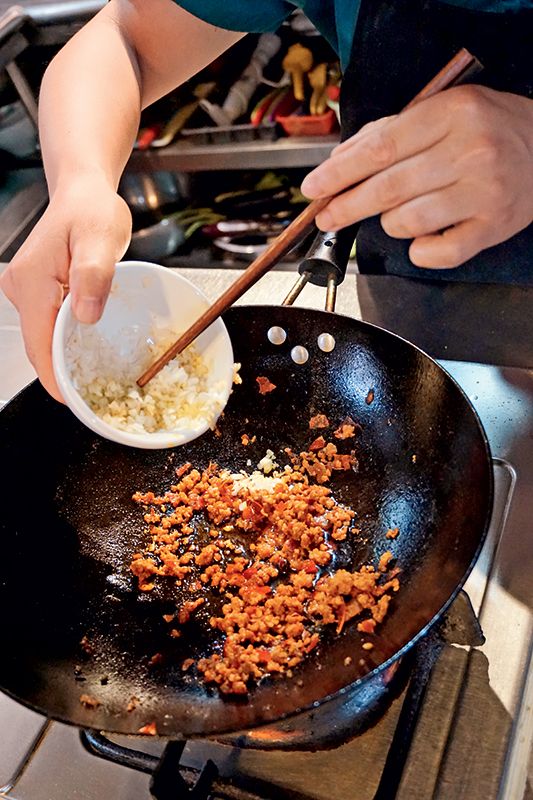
(97, 366)
(178, 397)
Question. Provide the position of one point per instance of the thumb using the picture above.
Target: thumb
(93, 258)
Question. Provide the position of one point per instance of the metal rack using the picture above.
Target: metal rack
(281, 153)
(46, 22)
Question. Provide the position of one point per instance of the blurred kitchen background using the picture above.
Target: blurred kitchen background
(217, 165)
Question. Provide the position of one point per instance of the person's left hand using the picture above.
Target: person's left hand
(454, 173)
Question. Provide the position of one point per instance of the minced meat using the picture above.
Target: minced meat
(267, 552)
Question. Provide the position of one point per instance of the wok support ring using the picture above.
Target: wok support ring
(169, 779)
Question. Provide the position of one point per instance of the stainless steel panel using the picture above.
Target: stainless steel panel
(62, 770)
(20, 729)
(292, 151)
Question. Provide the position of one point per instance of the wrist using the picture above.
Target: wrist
(72, 180)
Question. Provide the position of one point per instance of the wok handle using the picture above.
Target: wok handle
(325, 264)
(328, 256)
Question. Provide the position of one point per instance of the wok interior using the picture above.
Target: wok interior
(69, 526)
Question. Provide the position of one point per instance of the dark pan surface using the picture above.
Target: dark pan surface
(69, 528)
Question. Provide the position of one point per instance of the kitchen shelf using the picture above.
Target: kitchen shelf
(283, 153)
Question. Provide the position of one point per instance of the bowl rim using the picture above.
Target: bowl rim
(78, 406)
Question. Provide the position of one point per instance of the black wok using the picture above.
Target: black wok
(68, 527)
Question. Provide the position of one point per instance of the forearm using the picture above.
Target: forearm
(90, 105)
(132, 53)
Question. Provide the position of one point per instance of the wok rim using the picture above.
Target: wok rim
(222, 730)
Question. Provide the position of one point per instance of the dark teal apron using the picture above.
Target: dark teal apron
(398, 46)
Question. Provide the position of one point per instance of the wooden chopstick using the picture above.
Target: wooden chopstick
(450, 74)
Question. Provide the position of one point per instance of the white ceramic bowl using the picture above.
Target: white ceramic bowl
(144, 296)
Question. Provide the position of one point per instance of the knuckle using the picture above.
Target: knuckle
(11, 280)
(337, 176)
(469, 100)
(99, 225)
(389, 190)
(108, 220)
(90, 272)
(380, 149)
(498, 190)
(85, 264)
(5, 282)
(471, 104)
(408, 221)
(121, 213)
(373, 125)
(420, 220)
(486, 149)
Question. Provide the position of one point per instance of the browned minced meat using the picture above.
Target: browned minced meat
(320, 464)
(183, 469)
(265, 385)
(133, 704)
(319, 421)
(188, 608)
(346, 429)
(370, 397)
(268, 554)
(384, 561)
(89, 702)
(317, 444)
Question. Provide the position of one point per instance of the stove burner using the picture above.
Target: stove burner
(332, 724)
(171, 781)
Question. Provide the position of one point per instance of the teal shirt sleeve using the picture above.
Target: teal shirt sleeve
(248, 16)
(496, 6)
(335, 19)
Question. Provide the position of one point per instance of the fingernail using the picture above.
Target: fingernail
(87, 309)
(311, 186)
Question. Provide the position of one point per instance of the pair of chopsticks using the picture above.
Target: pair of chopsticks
(456, 69)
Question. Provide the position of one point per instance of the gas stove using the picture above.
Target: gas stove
(457, 721)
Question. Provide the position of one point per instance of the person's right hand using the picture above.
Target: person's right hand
(74, 247)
